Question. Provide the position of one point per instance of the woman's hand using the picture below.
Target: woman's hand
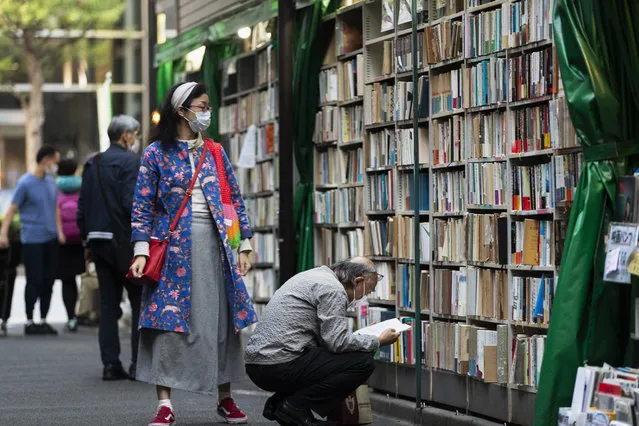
(245, 263)
(137, 268)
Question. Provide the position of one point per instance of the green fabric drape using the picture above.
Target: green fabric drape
(179, 66)
(164, 81)
(307, 62)
(596, 43)
(211, 75)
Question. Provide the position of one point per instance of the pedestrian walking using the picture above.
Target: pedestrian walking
(190, 321)
(71, 260)
(104, 220)
(10, 258)
(35, 199)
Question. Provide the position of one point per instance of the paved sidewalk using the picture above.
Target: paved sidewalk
(57, 381)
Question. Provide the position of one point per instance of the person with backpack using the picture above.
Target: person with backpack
(71, 260)
(104, 219)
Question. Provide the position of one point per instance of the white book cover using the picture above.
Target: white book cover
(457, 345)
(582, 392)
(461, 293)
(378, 328)
(471, 291)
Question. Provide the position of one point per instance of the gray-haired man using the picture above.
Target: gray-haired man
(301, 348)
(104, 219)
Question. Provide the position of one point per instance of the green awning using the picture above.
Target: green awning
(209, 32)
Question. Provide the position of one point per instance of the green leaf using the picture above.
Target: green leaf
(18, 17)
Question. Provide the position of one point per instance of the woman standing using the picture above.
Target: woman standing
(71, 259)
(190, 322)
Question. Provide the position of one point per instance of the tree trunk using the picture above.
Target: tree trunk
(33, 106)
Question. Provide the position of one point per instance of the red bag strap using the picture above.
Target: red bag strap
(216, 150)
(189, 191)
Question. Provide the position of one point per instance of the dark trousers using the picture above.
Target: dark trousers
(9, 261)
(69, 295)
(112, 284)
(7, 284)
(317, 380)
(40, 263)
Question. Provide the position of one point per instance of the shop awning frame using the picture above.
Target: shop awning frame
(212, 31)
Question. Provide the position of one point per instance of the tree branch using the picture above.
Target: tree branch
(20, 97)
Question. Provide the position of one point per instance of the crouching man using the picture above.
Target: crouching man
(302, 349)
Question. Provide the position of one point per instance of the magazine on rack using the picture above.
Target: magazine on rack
(622, 240)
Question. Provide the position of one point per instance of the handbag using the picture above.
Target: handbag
(122, 250)
(157, 247)
(89, 288)
(231, 220)
(355, 409)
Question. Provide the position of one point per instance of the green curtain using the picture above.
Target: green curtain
(164, 81)
(307, 62)
(211, 75)
(168, 74)
(596, 43)
(179, 66)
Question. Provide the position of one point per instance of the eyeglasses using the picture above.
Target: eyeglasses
(379, 276)
(200, 108)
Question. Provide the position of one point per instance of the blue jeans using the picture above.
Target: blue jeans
(40, 265)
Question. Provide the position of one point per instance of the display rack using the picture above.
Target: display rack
(476, 167)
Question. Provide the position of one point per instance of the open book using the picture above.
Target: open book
(380, 327)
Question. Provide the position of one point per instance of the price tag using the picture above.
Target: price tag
(633, 266)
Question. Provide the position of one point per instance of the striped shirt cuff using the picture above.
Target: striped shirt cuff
(141, 248)
(245, 246)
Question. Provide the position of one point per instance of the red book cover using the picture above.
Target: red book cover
(270, 139)
(610, 389)
(517, 144)
(516, 202)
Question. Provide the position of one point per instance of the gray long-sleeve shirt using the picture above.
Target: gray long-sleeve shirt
(309, 310)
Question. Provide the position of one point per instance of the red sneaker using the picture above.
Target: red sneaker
(231, 412)
(165, 416)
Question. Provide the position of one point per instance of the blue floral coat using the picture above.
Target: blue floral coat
(164, 177)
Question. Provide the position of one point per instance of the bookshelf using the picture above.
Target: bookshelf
(498, 164)
(249, 109)
(339, 145)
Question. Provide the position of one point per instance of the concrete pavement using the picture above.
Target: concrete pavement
(56, 380)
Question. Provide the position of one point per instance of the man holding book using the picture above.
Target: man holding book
(302, 349)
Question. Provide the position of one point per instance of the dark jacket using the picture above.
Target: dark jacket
(118, 172)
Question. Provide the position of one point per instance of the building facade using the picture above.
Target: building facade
(70, 104)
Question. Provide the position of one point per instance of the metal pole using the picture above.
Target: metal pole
(286, 231)
(151, 40)
(129, 62)
(417, 330)
(145, 19)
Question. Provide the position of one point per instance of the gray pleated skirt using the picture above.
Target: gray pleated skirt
(211, 353)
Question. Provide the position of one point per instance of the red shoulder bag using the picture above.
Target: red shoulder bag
(158, 248)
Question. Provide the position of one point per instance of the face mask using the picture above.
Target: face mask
(356, 303)
(52, 169)
(135, 148)
(201, 122)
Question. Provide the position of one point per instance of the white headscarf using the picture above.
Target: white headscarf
(180, 95)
